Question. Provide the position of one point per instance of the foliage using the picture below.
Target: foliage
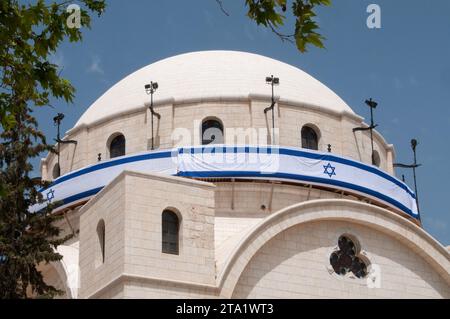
(29, 34)
(270, 13)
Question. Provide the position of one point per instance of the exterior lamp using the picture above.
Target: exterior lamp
(372, 105)
(150, 89)
(57, 122)
(272, 81)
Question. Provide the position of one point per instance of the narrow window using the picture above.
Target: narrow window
(212, 132)
(170, 232)
(117, 146)
(309, 138)
(56, 171)
(376, 159)
(101, 243)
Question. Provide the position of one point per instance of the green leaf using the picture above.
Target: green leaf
(29, 33)
(8, 121)
(306, 30)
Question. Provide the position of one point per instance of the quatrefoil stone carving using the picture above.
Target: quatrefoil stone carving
(346, 259)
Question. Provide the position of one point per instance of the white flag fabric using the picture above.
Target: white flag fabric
(247, 162)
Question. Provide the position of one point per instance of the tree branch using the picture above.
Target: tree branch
(283, 37)
(219, 2)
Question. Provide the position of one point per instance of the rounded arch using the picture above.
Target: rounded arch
(338, 210)
(63, 274)
(116, 145)
(354, 238)
(175, 211)
(212, 131)
(310, 137)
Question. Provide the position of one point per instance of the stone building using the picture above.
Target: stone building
(152, 218)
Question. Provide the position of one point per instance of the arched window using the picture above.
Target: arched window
(310, 139)
(100, 258)
(212, 132)
(56, 171)
(170, 232)
(376, 159)
(117, 146)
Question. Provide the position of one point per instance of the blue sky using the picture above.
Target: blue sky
(404, 66)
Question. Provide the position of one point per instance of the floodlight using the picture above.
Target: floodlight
(371, 103)
(151, 88)
(414, 143)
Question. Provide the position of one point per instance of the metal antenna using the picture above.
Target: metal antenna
(373, 105)
(57, 121)
(413, 146)
(150, 89)
(415, 165)
(272, 81)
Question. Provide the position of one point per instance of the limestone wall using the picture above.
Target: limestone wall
(295, 264)
(109, 207)
(132, 207)
(334, 129)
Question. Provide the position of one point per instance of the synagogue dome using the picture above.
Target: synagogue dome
(214, 192)
(221, 75)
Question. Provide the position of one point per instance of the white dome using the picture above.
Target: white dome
(213, 74)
